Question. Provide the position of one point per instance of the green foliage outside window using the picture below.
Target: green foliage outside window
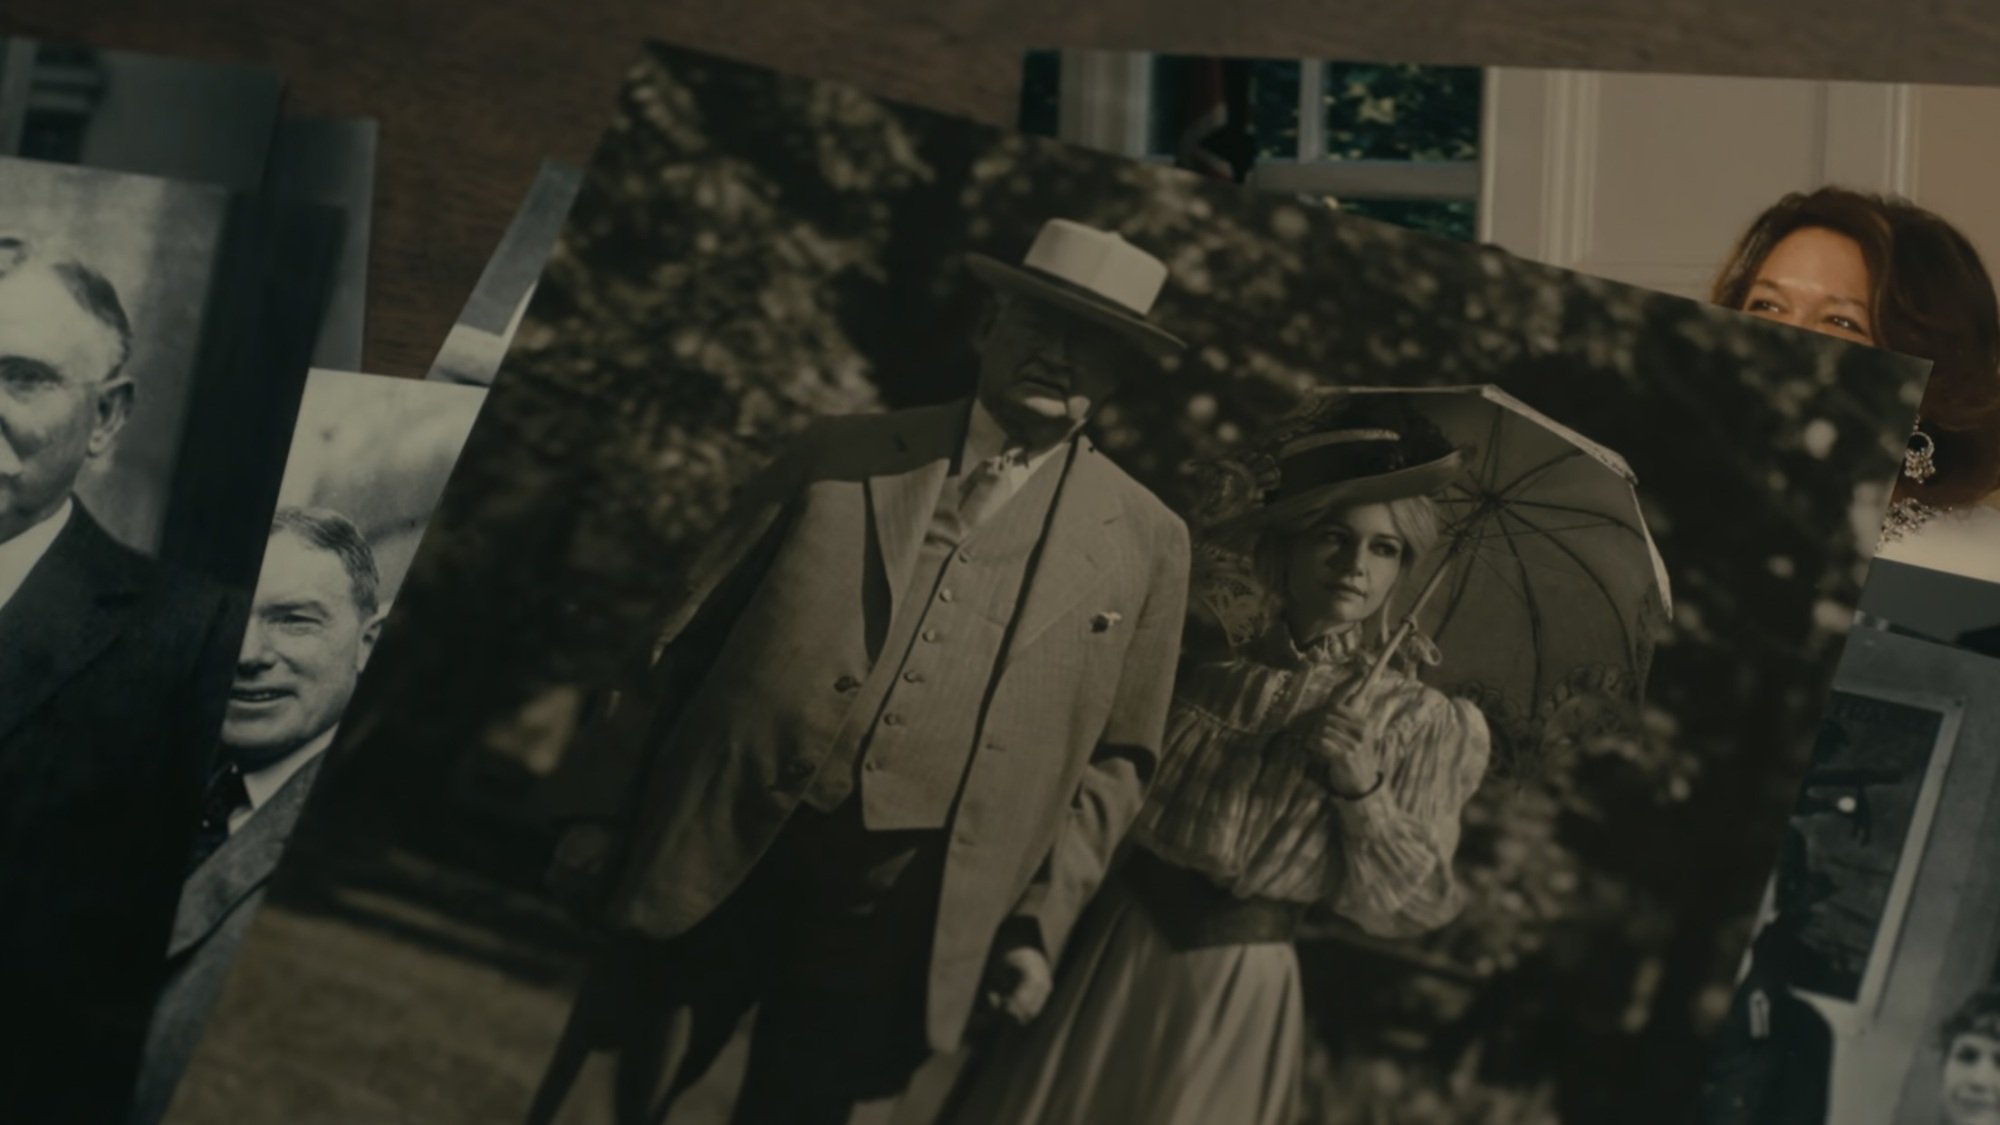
(1446, 218)
(1402, 112)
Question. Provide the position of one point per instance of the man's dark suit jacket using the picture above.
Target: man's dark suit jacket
(113, 675)
(217, 906)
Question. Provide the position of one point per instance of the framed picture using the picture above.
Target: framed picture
(1865, 814)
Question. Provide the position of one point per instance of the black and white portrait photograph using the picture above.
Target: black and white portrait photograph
(157, 245)
(936, 625)
(113, 656)
(1869, 993)
(369, 458)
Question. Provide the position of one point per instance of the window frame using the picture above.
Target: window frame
(1106, 102)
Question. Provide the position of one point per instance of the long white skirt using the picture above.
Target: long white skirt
(1137, 1032)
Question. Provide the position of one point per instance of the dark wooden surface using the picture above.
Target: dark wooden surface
(472, 94)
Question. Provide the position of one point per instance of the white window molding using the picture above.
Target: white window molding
(1105, 101)
(1867, 131)
(1311, 147)
(1538, 180)
(1565, 183)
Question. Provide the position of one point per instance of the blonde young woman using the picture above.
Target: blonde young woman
(1178, 1000)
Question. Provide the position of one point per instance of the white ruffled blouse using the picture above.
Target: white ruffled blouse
(1239, 796)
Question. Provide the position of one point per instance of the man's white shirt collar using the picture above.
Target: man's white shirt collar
(986, 439)
(19, 555)
(263, 783)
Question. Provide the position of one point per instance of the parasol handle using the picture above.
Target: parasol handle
(1403, 630)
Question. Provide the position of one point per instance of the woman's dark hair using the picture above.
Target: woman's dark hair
(1930, 297)
(1979, 1015)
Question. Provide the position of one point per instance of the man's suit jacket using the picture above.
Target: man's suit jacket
(113, 676)
(711, 749)
(217, 905)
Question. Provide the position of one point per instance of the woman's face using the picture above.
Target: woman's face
(1342, 569)
(1972, 1081)
(1815, 278)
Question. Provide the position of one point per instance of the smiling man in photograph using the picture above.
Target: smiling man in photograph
(898, 716)
(313, 623)
(112, 675)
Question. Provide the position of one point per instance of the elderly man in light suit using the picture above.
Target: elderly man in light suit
(313, 624)
(903, 711)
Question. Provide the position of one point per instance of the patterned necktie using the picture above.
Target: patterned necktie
(226, 794)
(979, 493)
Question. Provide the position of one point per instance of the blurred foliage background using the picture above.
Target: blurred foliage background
(749, 250)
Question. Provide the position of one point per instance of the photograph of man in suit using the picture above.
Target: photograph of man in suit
(905, 706)
(313, 623)
(112, 675)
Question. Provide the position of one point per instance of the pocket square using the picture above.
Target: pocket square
(1102, 621)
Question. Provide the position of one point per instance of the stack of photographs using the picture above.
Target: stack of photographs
(1426, 640)
(210, 510)
(175, 252)
(1279, 591)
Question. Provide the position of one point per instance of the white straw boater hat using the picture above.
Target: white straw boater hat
(1092, 273)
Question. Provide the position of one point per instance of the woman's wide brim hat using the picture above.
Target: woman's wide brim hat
(1354, 461)
(1091, 273)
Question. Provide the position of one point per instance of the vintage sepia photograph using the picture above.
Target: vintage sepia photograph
(941, 625)
(157, 245)
(369, 457)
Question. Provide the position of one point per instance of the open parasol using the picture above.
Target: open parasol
(1544, 595)
(1545, 584)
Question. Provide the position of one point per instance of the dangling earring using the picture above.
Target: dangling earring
(1920, 455)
